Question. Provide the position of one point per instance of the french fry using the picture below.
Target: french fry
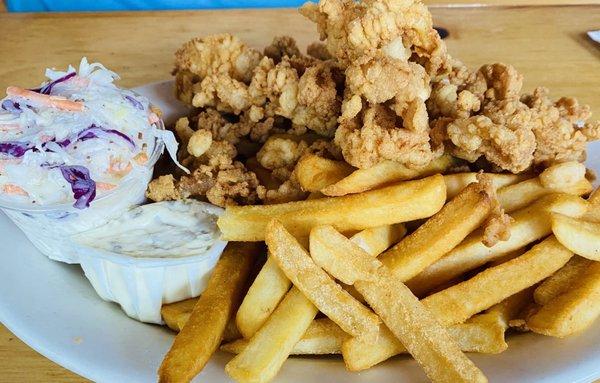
(530, 224)
(458, 181)
(293, 315)
(439, 234)
(593, 214)
(384, 173)
(562, 280)
(314, 172)
(203, 332)
(317, 286)
(401, 311)
(376, 240)
(271, 284)
(177, 314)
(581, 237)
(266, 351)
(321, 338)
(572, 311)
(394, 204)
(562, 178)
(483, 333)
(459, 302)
(265, 293)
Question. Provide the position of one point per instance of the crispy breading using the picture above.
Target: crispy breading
(319, 51)
(354, 29)
(223, 54)
(282, 46)
(377, 135)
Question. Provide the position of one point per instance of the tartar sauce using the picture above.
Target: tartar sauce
(167, 229)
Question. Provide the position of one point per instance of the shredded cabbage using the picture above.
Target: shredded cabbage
(40, 142)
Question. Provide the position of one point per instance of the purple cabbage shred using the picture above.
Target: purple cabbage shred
(47, 89)
(82, 185)
(95, 131)
(14, 148)
(135, 103)
(11, 106)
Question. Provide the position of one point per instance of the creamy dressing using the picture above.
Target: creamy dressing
(168, 229)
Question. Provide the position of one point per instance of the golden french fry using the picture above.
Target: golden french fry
(458, 181)
(266, 351)
(439, 234)
(401, 311)
(530, 224)
(459, 302)
(271, 284)
(317, 285)
(384, 173)
(321, 338)
(562, 178)
(482, 333)
(394, 204)
(265, 293)
(176, 314)
(593, 214)
(293, 314)
(314, 172)
(581, 237)
(572, 311)
(562, 280)
(376, 240)
(203, 332)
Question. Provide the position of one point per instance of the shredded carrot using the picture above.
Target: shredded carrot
(7, 127)
(119, 168)
(14, 189)
(44, 99)
(153, 118)
(141, 158)
(105, 186)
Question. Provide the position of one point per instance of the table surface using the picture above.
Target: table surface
(546, 43)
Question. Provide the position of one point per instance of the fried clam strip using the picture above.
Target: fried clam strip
(203, 332)
(572, 311)
(441, 233)
(321, 338)
(562, 280)
(271, 284)
(393, 204)
(314, 172)
(563, 178)
(459, 302)
(270, 346)
(577, 235)
(384, 173)
(458, 181)
(530, 224)
(423, 337)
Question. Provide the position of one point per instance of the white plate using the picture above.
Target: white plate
(53, 308)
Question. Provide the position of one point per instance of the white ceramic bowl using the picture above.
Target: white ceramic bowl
(50, 227)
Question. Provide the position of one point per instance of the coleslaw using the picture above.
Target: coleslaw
(75, 138)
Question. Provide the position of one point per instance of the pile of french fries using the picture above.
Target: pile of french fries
(391, 260)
